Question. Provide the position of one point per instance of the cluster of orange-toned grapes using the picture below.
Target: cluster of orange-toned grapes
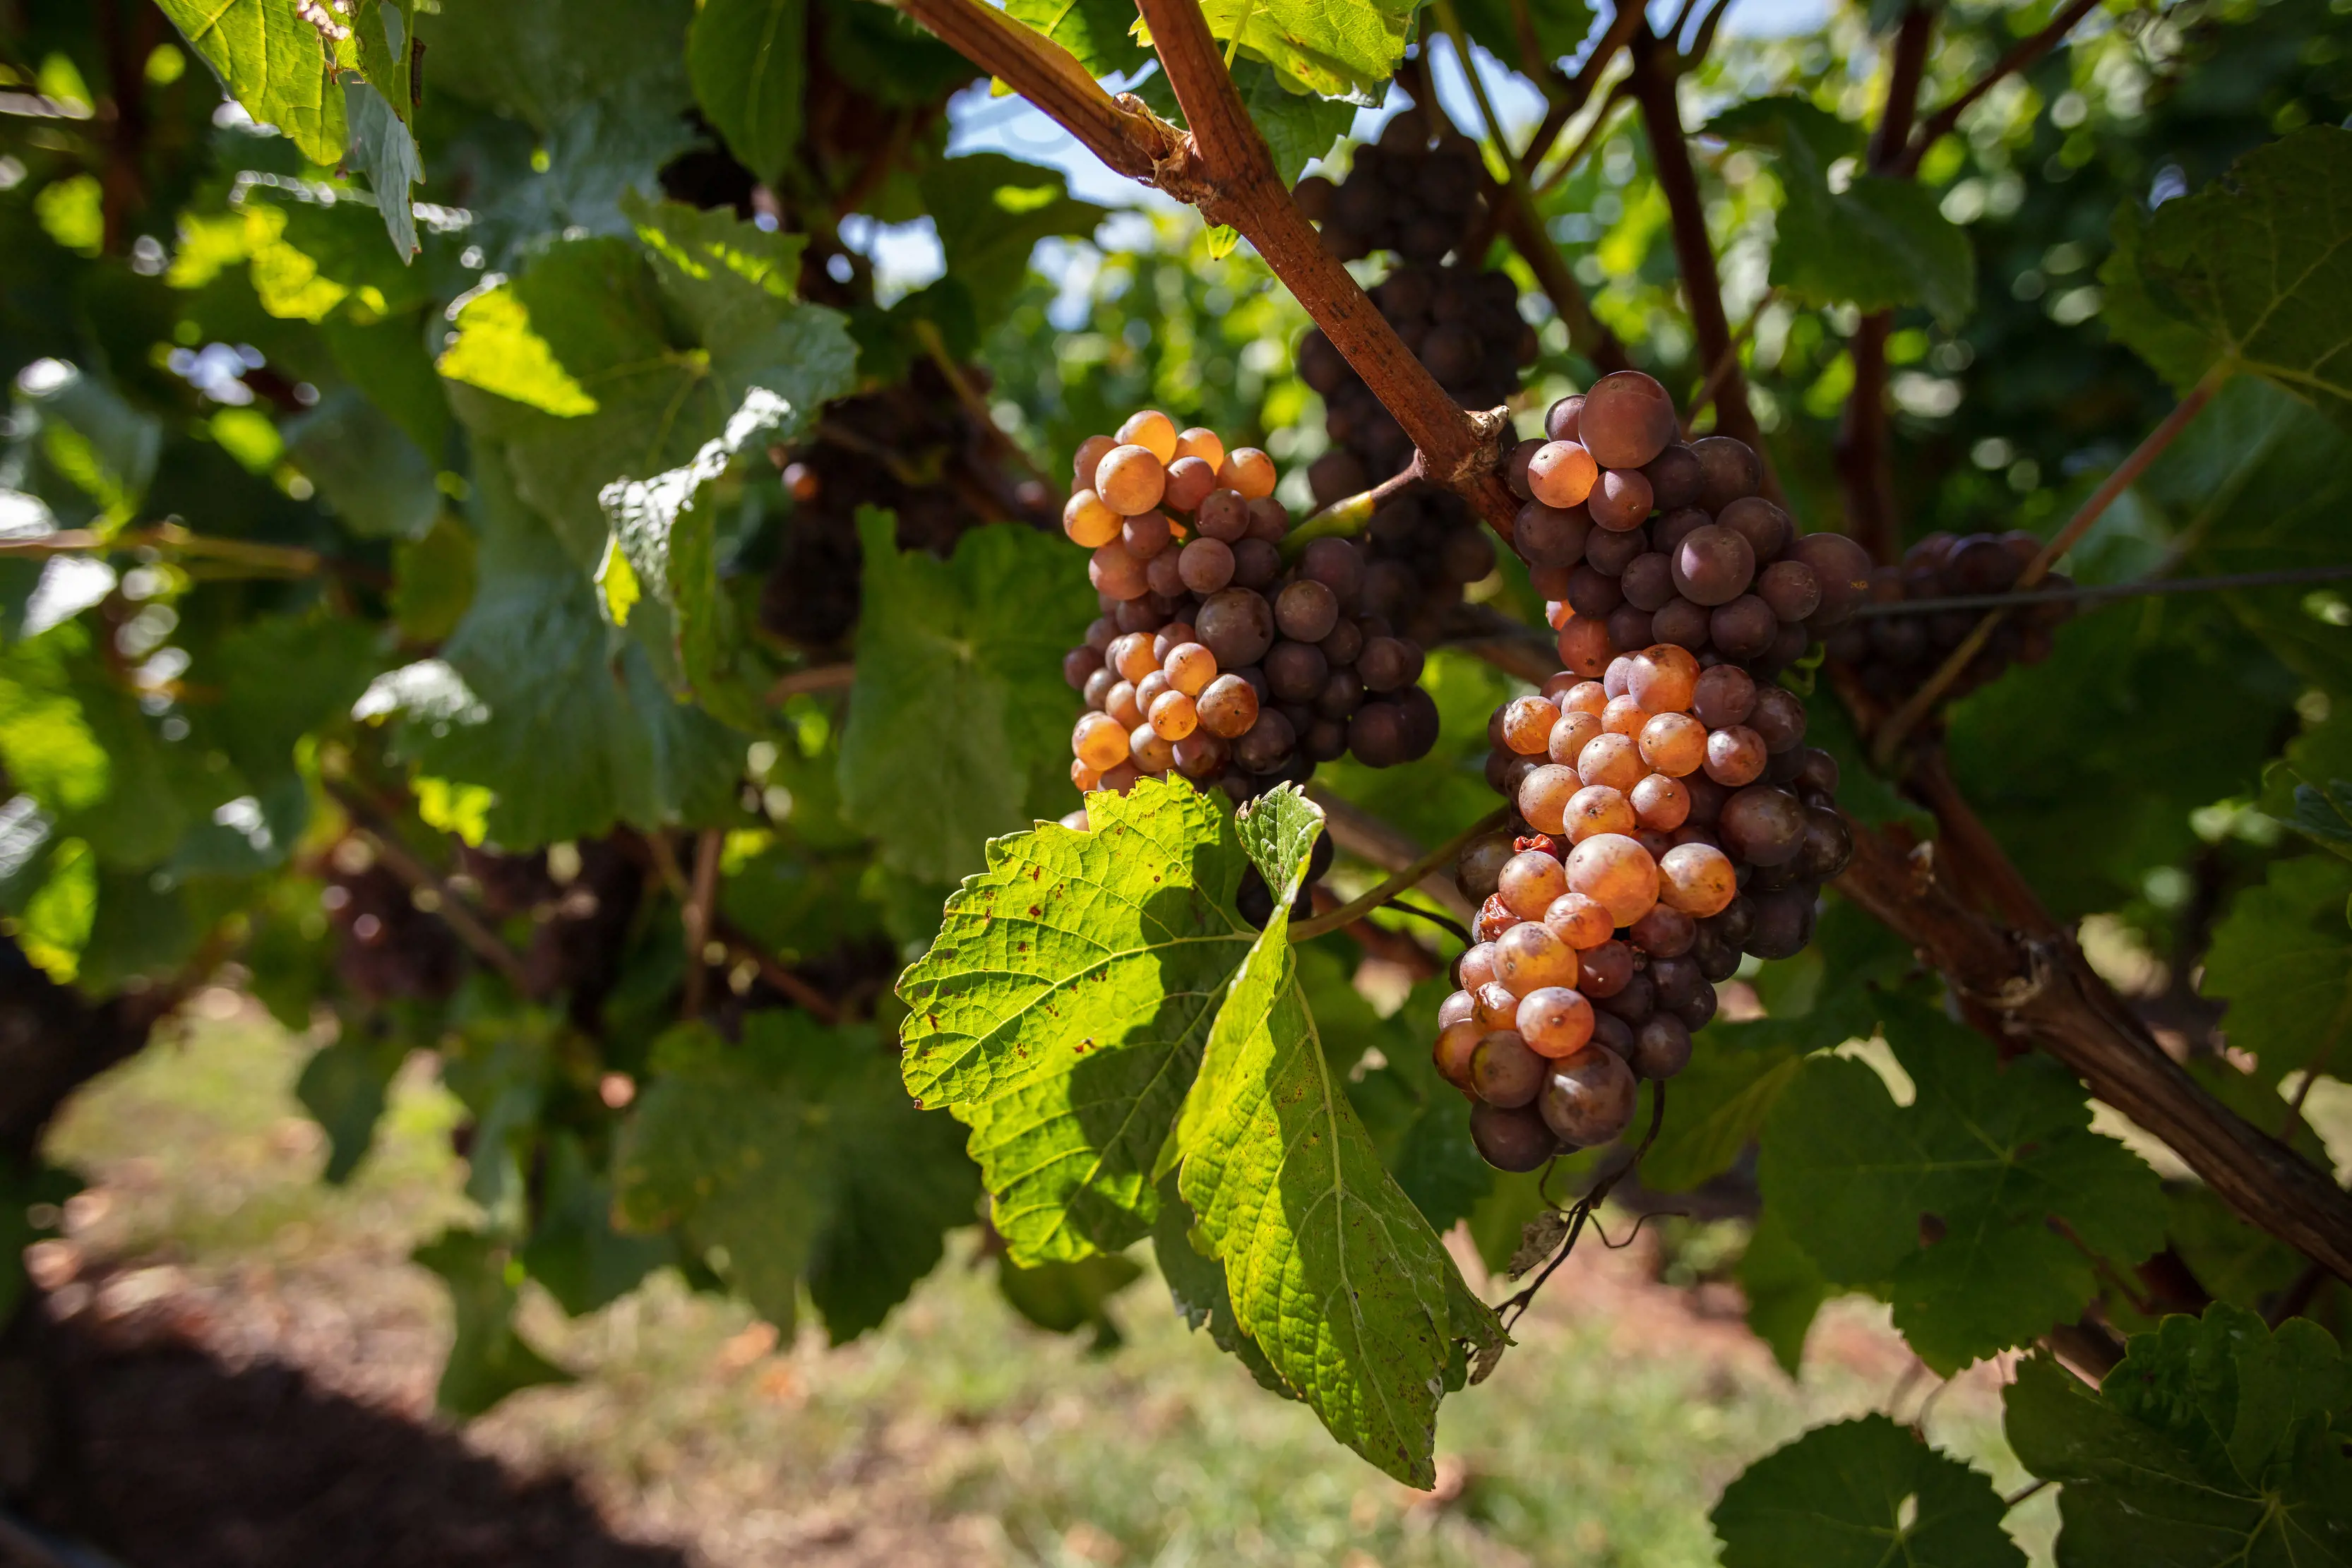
(1669, 817)
(1220, 654)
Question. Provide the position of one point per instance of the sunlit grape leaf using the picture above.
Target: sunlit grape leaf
(958, 696)
(279, 66)
(538, 701)
(749, 61)
(577, 369)
(991, 212)
(791, 1158)
(1097, 33)
(489, 1360)
(1420, 1122)
(1197, 1286)
(381, 31)
(2282, 959)
(81, 431)
(1331, 1270)
(1338, 51)
(2215, 1441)
(1862, 1494)
(1985, 1157)
(1062, 1011)
(1298, 127)
(2260, 264)
(665, 543)
(1879, 243)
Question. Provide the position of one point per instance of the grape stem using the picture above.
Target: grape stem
(1347, 518)
(694, 918)
(453, 912)
(2020, 55)
(1579, 1215)
(1356, 909)
(1928, 896)
(1888, 743)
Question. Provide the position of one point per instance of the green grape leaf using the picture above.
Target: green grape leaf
(1860, 1494)
(1196, 1284)
(793, 1157)
(1877, 245)
(381, 30)
(2260, 265)
(1062, 1011)
(749, 62)
(2322, 813)
(279, 66)
(88, 435)
(2282, 959)
(1298, 127)
(489, 1360)
(285, 676)
(1332, 1270)
(365, 466)
(344, 1086)
(1097, 33)
(1784, 1288)
(991, 212)
(959, 692)
(664, 542)
(2215, 1441)
(544, 59)
(574, 1250)
(384, 149)
(1064, 1298)
(538, 701)
(1337, 51)
(1986, 1157)
(1737, 1072)
(576, 368)
(1525, 33)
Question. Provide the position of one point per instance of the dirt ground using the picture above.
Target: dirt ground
(260, 1358)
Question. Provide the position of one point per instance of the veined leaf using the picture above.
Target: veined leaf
(1862, 1494)
(1098, 33)
(749, 61)
(279, 66)
(1983, 1160)
(2283, 959)
(2260, 264)
(2215, 1441)
(1063, 1010)
(1331, 1268)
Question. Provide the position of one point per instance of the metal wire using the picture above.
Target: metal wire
(2081, 591)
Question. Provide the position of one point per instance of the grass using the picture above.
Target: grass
(957, 1433)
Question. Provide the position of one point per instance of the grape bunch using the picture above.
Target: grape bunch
(1669, 817)
(1894, 655)
(1215, 658)
(912, 448)
(1421, 200)
(1636, 539)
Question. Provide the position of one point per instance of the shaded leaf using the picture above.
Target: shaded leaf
(1860, 1494)
(488, 1359)
(2281, 957)
(1067, 1297)
(749, 62)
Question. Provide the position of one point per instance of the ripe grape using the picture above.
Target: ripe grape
(1620, 499)
(1172, 716)
(1114, 572)
(1660, 804)
(1561, 473)
(1475, 968)
(1714, 565)
(1479, 871)
(1528, 957)
(1504, 1072)
(1236, 625)
(1223, 515)
(1511, 1140)
(1589, 1099)
(1664, 933)
(1556, 1021)
(1091, 454)
(1306, 611)
(1529, 882)
(1597, 808)
(1697, 879)
(1784, 923)
(1763, 825)
(1456, 1038)
(1615, 871)
(1087, 521)
(1729, 469)
(1228, 706)
(1580, 921)
(1675, 744)
(1544, 794)
(1662, 1046)
(1735, 756)
(1498, 1005)
(1627, 420)
(1677, 478)
(1247, 470)
(1119, 704)
(1151, 430)
(1130, 480)
(1547, 535)
(1724, 695)
(1612, 760)
(1099, 741)
(1779, 719)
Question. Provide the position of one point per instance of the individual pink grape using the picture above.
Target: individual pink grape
(1697, 879)
(1555, 1020)
(1617, 872)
